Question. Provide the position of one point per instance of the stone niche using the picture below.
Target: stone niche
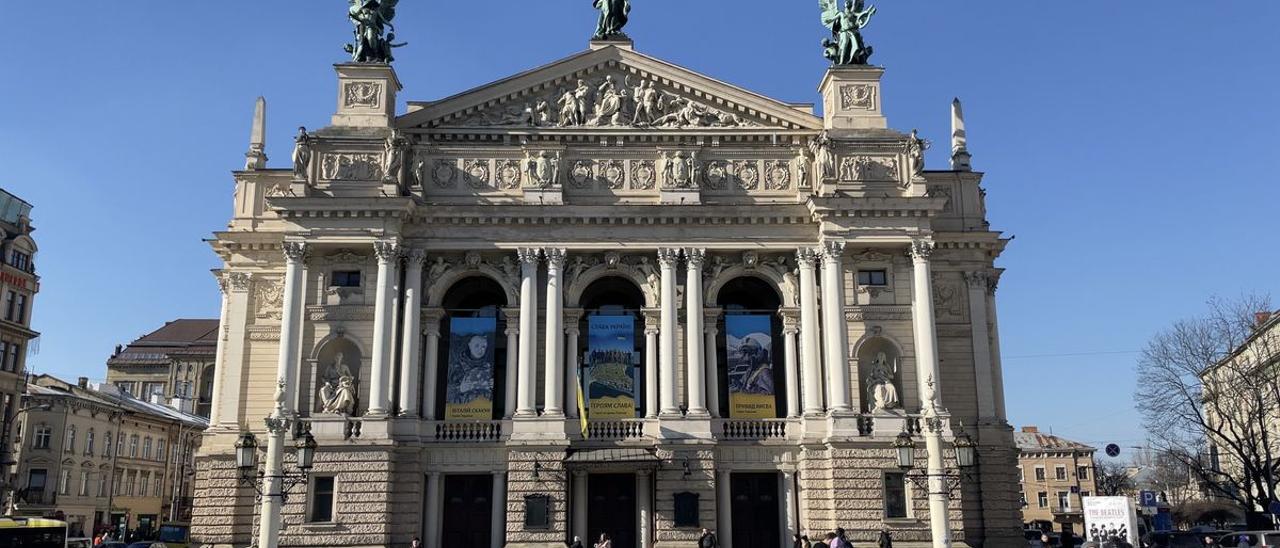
(879, 353)
(324, 367)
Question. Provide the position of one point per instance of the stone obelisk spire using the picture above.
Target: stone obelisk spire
(256, 158)
(959, 142)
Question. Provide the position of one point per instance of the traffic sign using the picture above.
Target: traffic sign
(1113, 450)
(1147, 498)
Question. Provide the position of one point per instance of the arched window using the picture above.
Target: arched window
(471, 380)
(750, 367)
(610, 353)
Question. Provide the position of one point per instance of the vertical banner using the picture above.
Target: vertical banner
(1106, 518)
(469, 393)
(610, 364)
(749, 349)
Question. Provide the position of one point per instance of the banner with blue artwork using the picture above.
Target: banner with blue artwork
(610, 367)
(469, 392)
(749, 349)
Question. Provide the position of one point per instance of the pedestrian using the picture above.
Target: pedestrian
(604, 541)
(840, 541)
(1208, 541)
(886, 538)
(1067, 540)
(577, 542)
(1038, 542)
(708, 539)
(1243, 542)
(416, 543)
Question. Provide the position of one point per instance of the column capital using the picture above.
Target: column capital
(668, 257)
(294, 251)
(833, 250)
(993, 280)
(554, 256)
(386, 250)
(415, 257)
(807, 257)
(921, 249)
(237, 282)
(978, 279)
(695, 257)
(528, 255)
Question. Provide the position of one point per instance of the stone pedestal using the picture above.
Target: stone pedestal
(366, 95)
(888, 424)
(851, 98)
(544, 196)
(679, 196)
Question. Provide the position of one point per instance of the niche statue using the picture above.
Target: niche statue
(338, 391)
(881, 391)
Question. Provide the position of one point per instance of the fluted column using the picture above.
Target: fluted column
(651, 364)
(810, 358)
(526, 402)
(388, 253)
(571, 332)
(993, 282)
(513, 361)
(553, 388)
(667, 260)
(695, 366)
(431, 329)
(791, 328)
(980, 333)
(711, 321)
(833, 327)
(411, 357)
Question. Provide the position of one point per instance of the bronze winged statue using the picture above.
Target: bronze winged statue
(846, 47)
(374, 34)
(613, 16)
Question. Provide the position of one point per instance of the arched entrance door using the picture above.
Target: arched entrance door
(752, 381)
(611, 354)
(472, 376)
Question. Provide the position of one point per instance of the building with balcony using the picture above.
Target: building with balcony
(1055, 473)
(97, 457)
(507, 324)
(173, 363)
(18, 287)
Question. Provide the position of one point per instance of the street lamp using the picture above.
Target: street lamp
(966, 459)
(247, 462)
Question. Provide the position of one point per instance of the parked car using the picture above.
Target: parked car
(79, 543)
(1261, 539)
(1173, 539)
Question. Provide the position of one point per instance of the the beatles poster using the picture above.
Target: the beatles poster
(1106, 518)
(610, 367)
(749, 349)
(470, 382)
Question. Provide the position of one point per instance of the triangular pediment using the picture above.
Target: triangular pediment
(609, 89)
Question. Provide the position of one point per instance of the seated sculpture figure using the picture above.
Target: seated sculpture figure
(881, 391)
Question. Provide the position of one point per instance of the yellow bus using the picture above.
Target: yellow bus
(33, 533)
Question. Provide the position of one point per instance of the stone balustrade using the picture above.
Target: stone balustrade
(468, 431)
(615, 429)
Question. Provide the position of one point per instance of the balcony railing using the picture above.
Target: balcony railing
(39, 497)
(753, 429)
(468, 432)
(615, 429)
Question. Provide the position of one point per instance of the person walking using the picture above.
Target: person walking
(605, 542)
(708, 539)
(841, 540)
(577, 542)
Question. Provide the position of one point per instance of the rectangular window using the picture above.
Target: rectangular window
(102, 485)
(1023, 499)
(1039, 473)
(150, 389)
(10, 302)
(873, 277)
(1020, 475)
(895, 495)
(44, 435)
(127, 388)
(157, 487)
(63, 476)
(21, 316)
(4, 353)
(1042, 498)
(321, 499)
(133, 446)
(15, 352)
(1084, 494)
(1064, 499)
(36, 480)
(21, 261)
(70, 445)
(1060, 473)
(160, 450)
(143, 482)
(1082, 472)
(106, 445)
(346, 278)
(84, 483)
(146, 448)
(116, 482)
(88, 443)
(120, 445)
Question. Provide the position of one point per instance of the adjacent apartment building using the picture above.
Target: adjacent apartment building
(98, 458)
(1055, 473)
(174, 363)
(18, 287)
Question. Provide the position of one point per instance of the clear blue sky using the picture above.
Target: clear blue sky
(1128, 146)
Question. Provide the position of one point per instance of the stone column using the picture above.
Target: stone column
(651, 364)
(498, 521)
(724, 508)
(286, 374)
(553, 388)
(923, 324)
(513, 361)
(809, 356)
(388, 253)
(791, 328)
(579, 525)
(231, 368)
(410, 357)
(695, 367)
(432, 369)
(790, 521)
(434, 514)
(833, 326)
(993, 282)
(667, 259)
(979, 332)
(644, 519)
(926, 341)
(219, 352)
(571, 363)
(291, 321)
(526, 402)
(711, 319)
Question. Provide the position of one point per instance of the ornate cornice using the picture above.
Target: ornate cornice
(921, 249)
(294, 251)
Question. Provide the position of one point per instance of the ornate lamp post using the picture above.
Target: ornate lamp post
(937, 481)
(273, 484)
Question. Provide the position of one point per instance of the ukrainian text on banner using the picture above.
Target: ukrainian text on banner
(469, 393)
(749, 349)
(610, 364)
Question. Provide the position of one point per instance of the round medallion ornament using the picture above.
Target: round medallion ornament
(748, 176)
(614, 174)
(477, 173)
(715, 175)
(443, 173)
(643, 175)
(509, 174)
(779, 176)
(581, 174)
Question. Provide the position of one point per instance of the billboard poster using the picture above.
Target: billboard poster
(469, 392)
(1109, 517)
(749, 351)
(610, 367)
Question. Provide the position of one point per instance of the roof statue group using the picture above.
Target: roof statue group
(375, 36)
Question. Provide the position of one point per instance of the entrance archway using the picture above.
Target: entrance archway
(750, 363)
(471, 377)
(611, 352)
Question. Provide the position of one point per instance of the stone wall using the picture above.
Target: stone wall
(223, 514)
(553, 480)
(670, 480)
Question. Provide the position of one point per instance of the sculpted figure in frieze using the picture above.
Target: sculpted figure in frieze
(543, 169)
(609, 106)
(393, 157)
(302, 152)
(824, 158)
(679, 170)
(915, 154)
(882, 393)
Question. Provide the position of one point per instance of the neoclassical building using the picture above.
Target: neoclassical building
(749, 302)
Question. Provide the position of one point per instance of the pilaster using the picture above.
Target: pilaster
(851, 98)
(366, 95)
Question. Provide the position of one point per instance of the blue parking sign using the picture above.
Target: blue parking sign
(1147, 498)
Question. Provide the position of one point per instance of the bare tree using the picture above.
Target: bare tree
(1168, 475)
(1208, 391)
(1112, 478)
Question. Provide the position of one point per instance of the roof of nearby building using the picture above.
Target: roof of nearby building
(1031, 439)
(184, 337)
(111, 396)
(13, 208)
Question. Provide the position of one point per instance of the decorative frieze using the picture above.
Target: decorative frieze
(351, 166)
(869, 169)
(362, 95)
